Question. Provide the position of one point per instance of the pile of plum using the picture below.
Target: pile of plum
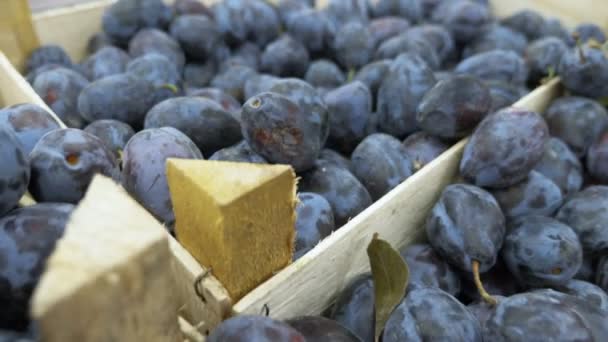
(355, 95)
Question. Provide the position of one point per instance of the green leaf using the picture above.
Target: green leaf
(351, 75)
(171, 87)
(391, 275)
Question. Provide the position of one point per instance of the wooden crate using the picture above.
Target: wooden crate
(309, 285)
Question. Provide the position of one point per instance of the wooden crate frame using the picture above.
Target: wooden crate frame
(309, 285)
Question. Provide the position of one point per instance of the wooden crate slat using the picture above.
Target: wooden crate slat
(309, 285)
(17, 35)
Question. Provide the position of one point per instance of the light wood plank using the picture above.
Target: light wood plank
(17, 35)
(109, 277)
(309, 286)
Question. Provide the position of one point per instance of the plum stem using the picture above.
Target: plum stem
(579, 46)
(482, 291)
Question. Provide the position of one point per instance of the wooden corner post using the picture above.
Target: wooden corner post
(17, 34)
(236, 218)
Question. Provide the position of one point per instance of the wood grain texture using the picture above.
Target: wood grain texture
(310, 285)
(109, 277)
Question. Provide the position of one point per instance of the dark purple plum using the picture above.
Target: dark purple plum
(240, 152)
(59, 88)
(47, 54)
(543, 57)
(122, 97)
(541, 251)
(354, 308)
(65, 161)
(27, 238)
(258, 84)
(586, 213)
(586, 291)
(199, 75)
(310, 27)
(254, 328)
(422, 148)
(584, 71)
(335, 158)
(324, 73)
(185, 7)
(203, 120)
(349, 107)
(197, 34)
(428, 269)
(453, 107)
(289, 8)
(29, 122)
(587, 270)
(561, 165)
(227, 101)
(157, 70)
(597, 158)
(544, 315)
(528, 22)
(430, 314)
(15, 171)
(463, 19)
(341, 12)
(380, 164)
(153, 40)
(588, 31)
(353, 45)
(386, 27)
(497, 37)
(321, 329)
(578, 121)
(504, 94)
(482, 310)
(504, 148)
(438, 37)
(262, 22)
(536, 195)
(144, 171)
(285, 57)
(314, 222)
(346, 195)
(466, 227)
(408, 9)
(114, 134)
(124, 18)
(232, 80)
(372, 76)
(107, 61)
(555, 28)
(499, 65)
(408, 79)
(249, 54)
(406, 43)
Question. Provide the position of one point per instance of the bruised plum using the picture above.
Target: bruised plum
(504, 148)
(380, 163)
(279, 130)
(453, 107)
